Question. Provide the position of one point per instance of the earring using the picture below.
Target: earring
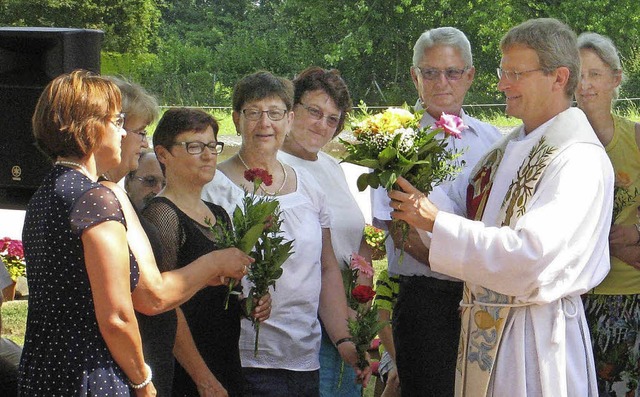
(238, 133)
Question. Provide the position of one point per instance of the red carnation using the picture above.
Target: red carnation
(363, 293)
(258, 173)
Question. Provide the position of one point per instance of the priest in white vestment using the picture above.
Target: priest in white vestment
(532, 234)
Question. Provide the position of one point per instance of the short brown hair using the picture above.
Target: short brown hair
(261, 85)
(315, 78)
(554, 42)
(72, 113)
(178, 120)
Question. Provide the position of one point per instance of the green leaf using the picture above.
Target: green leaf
(368, 179)
(388, 178)
(250, 238)
(369, 163)
(283, 252)
(387, 155)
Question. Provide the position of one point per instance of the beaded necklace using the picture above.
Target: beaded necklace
(74, 165)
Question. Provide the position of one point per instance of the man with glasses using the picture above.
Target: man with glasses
(534, 235)
(426, 321)
(146, 182)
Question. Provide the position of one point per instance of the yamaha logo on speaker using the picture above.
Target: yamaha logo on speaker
(16, 173)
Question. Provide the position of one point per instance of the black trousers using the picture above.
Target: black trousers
(426, 332)
(8, 379)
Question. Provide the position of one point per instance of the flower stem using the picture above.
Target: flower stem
(256, 325)
(232, 284)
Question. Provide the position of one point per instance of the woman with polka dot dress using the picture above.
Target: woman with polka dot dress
(82, 337)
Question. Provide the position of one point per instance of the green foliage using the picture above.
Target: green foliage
(191, 52)
(631, 65)
(129, 25)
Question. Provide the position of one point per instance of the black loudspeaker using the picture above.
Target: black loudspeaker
(29, 59)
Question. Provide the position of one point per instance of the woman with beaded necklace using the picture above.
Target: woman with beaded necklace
(82, 336)
(287, 362)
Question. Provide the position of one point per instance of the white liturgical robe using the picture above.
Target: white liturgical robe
(556, 250)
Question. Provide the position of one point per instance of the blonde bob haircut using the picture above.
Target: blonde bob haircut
(136, 101)
(73, 112)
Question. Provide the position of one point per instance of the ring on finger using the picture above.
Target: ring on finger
(400, 207)
(244, 270)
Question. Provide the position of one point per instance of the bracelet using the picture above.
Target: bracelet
(340, 341)
(144, 382)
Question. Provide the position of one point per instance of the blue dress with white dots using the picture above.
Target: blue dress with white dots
(64, 353)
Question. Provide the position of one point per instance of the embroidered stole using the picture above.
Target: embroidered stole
(484, 312)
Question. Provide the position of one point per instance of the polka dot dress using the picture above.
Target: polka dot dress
(64, 353)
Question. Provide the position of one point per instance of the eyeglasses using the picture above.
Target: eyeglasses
(511, 75)
(255, 114)
(119, 121)
(197, 147)
(151, 181)
(141, 133)
(317, 114)
(434, 74)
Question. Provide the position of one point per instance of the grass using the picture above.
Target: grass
(14, 320)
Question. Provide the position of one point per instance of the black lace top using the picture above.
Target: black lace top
(216, 331)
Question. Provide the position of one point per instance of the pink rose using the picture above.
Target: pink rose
(359, 263)
(363, 293)
(451, 124)
(258, 173)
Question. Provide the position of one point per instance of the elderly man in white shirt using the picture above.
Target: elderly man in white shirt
(426, 321)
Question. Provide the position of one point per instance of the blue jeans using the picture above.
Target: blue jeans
(333, 383)
(281, 382)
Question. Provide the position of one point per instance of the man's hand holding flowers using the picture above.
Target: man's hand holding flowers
(393, 145)
(412, 206)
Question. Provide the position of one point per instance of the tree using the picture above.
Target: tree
(129, 25)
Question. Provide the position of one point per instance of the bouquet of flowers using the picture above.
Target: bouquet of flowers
(12, 255)
(393, 144)
(365, 326)
(257, 232)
